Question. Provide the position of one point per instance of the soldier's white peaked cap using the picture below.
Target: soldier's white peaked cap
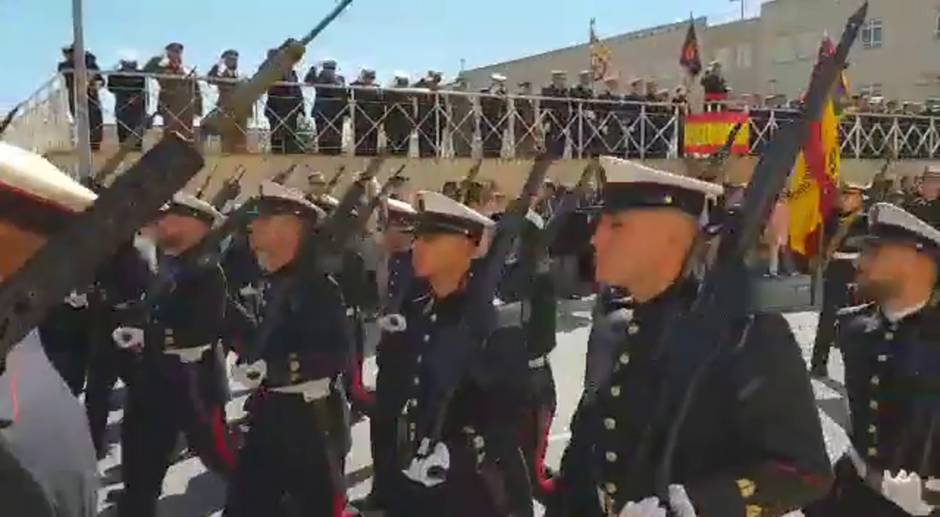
(197, 207)
(401, 207)
(27, 174)
(890, 222)
(438, 213)
(281, 195)
(633, 185)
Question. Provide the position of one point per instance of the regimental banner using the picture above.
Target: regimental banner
(706, 133)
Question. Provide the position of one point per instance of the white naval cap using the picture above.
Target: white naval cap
(399, 206)
(30, 176)
(438, 213)
(401, 215)
(632, 185)
(888, 222)
(190, 205)
(862, 186)
(276, 199)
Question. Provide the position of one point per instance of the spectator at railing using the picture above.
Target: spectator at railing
(527, 134)
(716, 89)
(584, 116)
(430, 123)
(463, 119)
(329, 108)
(368, 114)
(224, 75)
(130, 101)
(283, 108)
(179, 101)
(95, 81)
(399, 118)
(494, 107)
(610, 118)
(557, 114)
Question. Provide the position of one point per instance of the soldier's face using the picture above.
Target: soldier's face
(930, 189)
(630, 245)
(883, 268)
(437, 253)
(175, 234)
(231, 62)
(275, 240)
(395, 240)
(850, 201)
(18, 245)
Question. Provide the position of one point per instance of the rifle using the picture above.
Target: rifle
(223, 119)
(92, 237)
(282, 176)
(569, 203)
(699, 336)
(364, 215)
(116, 159)
(717, 160)
(230, 189)
(463, 191)
(880, 183)
(205, 183)
(7, 120)
(334, 181)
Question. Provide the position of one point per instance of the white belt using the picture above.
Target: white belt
(538, 362)
(841, 255)
(188, 355)
(311, 390)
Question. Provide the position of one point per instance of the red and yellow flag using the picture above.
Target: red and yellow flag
(600, 55)
(813, 184)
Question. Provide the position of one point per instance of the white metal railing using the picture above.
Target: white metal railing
(42, 124)
(363, 121)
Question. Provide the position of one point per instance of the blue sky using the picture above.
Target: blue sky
(388, 35)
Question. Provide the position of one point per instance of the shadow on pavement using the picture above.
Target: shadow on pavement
(205, 495)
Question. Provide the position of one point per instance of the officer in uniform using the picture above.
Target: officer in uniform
(633, 109)
(180, 100)
(559, 113)
(395, 277)
(130, 100)
(283, 108)
(297, 438)
(892, 366)
(400, 116)
(463, 119)
(180, 384)
(460, 449)
(329, 109)
(47, 460)
(588, 142)
(610, 118)
(368, 97)
(493, 105)
(430, 123)
(927, 205)
(839, 273)
(751, 443)
(224, 75)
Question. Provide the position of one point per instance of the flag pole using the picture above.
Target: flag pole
(80, 75)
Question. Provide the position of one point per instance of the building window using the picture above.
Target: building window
(871, 90)
(872, 34)
(744, 56)
(783, 50)
(724, 56)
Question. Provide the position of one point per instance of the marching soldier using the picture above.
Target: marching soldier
(525, 131)
(927, 205)
(179, 101)
(559, 113)
(395, 278)
(179, 385)
(224, 75)
(297, 437)
(47, 457)
(839, 273)
(752, 441)
(400, 116)
(891, 370)
(461, 454)
(329, 109)
(493, 105)
(369, 109)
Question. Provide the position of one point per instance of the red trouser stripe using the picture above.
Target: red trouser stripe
(222, 444)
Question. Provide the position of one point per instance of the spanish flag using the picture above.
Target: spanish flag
(812, 189)
(600, 55)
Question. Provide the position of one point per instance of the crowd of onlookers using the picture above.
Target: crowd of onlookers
(320, 111)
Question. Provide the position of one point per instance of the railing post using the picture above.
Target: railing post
(643, 131)
(511, 122)
(353, 104)
(580, 128)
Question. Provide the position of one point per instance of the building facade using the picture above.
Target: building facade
(897, 55)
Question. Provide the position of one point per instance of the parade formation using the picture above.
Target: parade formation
(696, 399)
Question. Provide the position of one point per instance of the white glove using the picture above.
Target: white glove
(77, 301)
(165, 61)
(648, 507)
(429, 469)
(250, 375)
(128, 338)
(906, 491)
(393, 323)
(679, 502)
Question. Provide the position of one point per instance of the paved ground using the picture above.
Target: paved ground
(191, 491)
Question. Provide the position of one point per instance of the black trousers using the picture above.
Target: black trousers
(367, 139)
(391, 388)
(291, 450)
(129, 119)
(329, 120)
(107, 363)
(492, 136)
(851, 497)
(835, 297)
(165, 398)
(534, 426)
(65, 339)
